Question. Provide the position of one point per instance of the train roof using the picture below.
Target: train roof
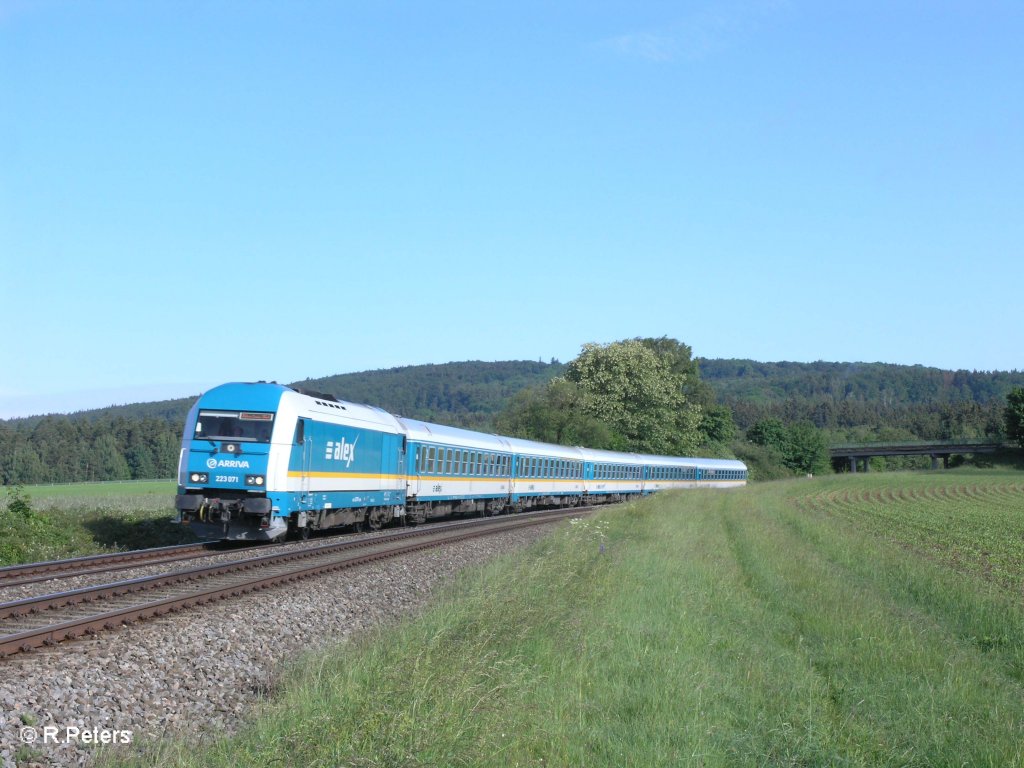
(272, 397)
(692, 461)
(424, 431)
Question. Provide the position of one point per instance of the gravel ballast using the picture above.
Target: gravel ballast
(199, 672)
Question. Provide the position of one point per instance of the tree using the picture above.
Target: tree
(717, 424)
(553, 414)
(806, 450)
(632, 390)
(769, 432)
(622, 396)
(1014, 414)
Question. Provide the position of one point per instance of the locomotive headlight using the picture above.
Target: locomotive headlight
(199, 477)
(257, 481)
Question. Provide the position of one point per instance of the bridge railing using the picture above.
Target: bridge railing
(968, 441)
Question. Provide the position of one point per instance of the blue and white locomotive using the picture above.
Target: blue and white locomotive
(263, 461)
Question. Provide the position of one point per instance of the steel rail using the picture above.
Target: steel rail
(30, 573)
(67, 621)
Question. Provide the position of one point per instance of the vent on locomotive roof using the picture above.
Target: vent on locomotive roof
(314, 393)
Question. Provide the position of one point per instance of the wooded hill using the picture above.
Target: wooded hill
(851, 400)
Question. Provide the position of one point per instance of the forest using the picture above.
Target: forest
(843, 401)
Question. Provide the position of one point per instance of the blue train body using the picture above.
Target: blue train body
(262, 461)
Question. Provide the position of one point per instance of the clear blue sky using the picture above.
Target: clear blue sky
(197, 192)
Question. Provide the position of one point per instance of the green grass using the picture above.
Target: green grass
(778, 625)
(54, 522)
(106, 490)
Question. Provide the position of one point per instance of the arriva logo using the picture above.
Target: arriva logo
(231, 463)
(341, 451)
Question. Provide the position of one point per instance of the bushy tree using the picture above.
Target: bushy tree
(806, 450)
(769, 432)
(801, 445)
(628, 387)
(620, 396)
(1015, 416)
(553, 414)
(717, 426)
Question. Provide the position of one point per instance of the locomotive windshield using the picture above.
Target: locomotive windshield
(241, 426)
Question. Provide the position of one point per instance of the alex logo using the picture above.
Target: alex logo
(342, 450)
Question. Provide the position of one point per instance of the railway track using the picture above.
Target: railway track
(50, 619)
(29, 573)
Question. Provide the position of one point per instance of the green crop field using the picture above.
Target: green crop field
(106, 491)
(47, 522)
(853, 621)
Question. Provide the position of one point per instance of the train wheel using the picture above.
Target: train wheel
(375, 519)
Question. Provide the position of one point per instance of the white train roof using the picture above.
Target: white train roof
(425, 432)
(691, 461)
(341, 410)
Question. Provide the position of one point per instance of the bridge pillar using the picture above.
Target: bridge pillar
(867, 464)
(853, 464)
(935, 461)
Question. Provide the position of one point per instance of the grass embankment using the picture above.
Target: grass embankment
(781, 624)
(53, 522)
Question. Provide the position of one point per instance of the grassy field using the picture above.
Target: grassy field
(147, 489)
(847, 621)
(46, 522)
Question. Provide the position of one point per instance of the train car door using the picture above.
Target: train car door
(305, 434)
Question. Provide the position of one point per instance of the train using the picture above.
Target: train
(263, 462)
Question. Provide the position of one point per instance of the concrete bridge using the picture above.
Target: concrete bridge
(937, 449)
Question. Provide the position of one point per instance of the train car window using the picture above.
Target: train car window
(465, 463)
(479, 464)
(418, 462)
(300, 432)
(457, 461)
(430, 460)
(447, 461)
